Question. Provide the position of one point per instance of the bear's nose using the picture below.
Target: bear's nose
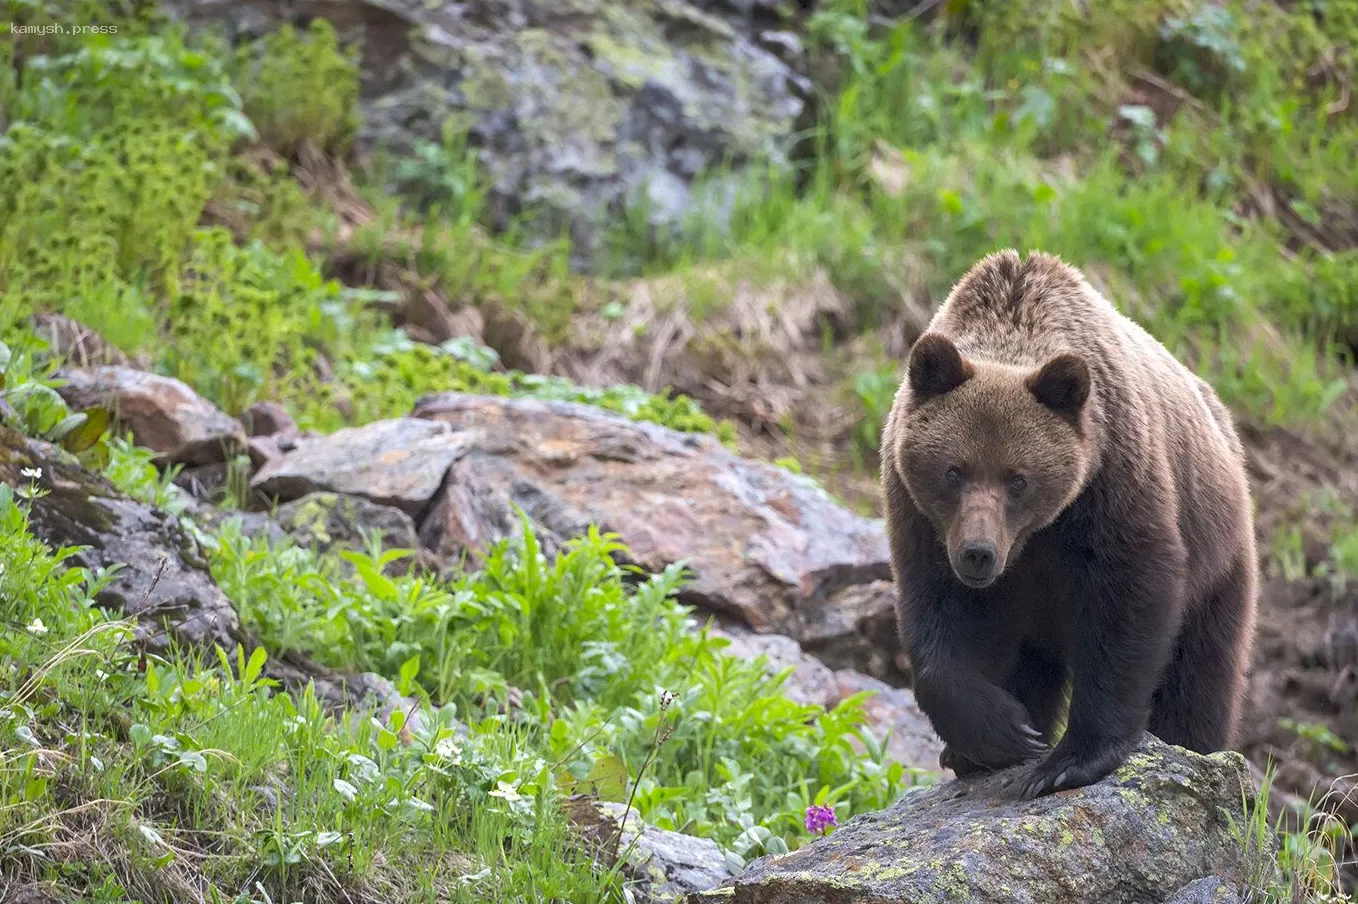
(978, 560)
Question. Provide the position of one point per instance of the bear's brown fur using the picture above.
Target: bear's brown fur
(1069, 519)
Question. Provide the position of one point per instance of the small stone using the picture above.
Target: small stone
(163, 414)
(268, 419)
(662, 866)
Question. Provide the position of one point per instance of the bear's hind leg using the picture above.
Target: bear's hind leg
(1198, 702)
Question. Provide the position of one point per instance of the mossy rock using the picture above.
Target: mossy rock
(576, 105)
(1161, 822)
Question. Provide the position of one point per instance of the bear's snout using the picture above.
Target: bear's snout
(976, 565)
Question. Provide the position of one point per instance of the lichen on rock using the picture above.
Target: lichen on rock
(1166, 819)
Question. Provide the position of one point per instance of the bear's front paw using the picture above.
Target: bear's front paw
(998, 737)
(1069, 767)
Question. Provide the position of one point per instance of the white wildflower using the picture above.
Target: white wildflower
(446, 748)
(36, 628)
(32, 473)
(507, 792)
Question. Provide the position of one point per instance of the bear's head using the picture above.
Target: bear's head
(991, 453)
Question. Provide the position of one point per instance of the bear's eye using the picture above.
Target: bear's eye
(1017, 484)
(953, 475)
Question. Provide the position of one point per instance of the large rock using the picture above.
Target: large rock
(163, 581)
(574, 104)
(399, 463)
(163, 414)
(1141, 836)
(765, 546)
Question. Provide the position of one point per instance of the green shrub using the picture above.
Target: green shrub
(301, 86)
(253, 323)
(386, 377)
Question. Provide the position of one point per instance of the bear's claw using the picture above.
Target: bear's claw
(1068, 769)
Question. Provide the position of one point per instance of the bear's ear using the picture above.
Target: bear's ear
(1062, 384)
(936, 367)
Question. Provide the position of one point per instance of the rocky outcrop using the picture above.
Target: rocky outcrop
(575, 106)
(163, 581)
(162, 413)
(1144, 835)
(764, 546)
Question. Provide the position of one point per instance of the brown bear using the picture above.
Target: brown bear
(1069, 521)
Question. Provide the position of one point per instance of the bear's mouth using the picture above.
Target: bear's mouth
(976, 583)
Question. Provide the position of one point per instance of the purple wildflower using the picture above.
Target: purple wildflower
(820, 819)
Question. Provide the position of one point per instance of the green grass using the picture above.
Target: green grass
(178, 778)
(114, 152)
(300, 87)
(1298, 866)
(1334, 522)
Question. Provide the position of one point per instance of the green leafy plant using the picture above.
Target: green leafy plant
(301, 86)
(586, 654)
(33, 405)
(1202, 51)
